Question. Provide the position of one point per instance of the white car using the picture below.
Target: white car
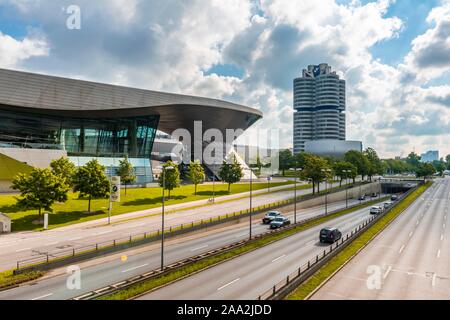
(376, 210)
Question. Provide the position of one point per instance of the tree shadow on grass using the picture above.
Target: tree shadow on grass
(151, 201)
(210, 193)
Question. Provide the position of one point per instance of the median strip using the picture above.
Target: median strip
(177, 274)
(336, 263)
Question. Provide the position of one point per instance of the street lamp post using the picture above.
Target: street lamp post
(295, 193)
(346, 186)
(251, 198)
(326, 189)
(162, 215)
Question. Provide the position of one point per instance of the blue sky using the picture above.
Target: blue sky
(248, 52)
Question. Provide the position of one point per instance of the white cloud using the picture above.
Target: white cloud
(13, 51)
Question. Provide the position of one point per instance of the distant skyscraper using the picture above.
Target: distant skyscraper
(319, 105)
(430, 156)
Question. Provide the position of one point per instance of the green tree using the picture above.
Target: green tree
(413, 160)
(299, 159)
(196, 174)
(171, 177)
(425, 170)
(126, 172)
(231, 173)
(447, 159)
(375, 165)
(439, 166)
(314, 170)
(360, 161)
(64, 169)
(40, 189)
(91, 181)
(285, 160)
(344, 170)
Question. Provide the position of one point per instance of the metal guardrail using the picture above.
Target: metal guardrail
(55, 259)
(155, 273)
(304, 272)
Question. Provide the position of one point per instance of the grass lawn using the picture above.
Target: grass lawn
(74, 210)
(9, 168)
(7, 278)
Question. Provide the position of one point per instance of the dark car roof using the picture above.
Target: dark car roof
(329, 229)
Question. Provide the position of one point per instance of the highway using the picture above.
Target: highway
(410, 259)
(26, 245)
(106, 273)
(248, 276)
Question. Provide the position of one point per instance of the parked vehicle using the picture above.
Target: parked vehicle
(330, 235)
(270, 216)
(279, 222)
(394, 197)
(376, 210)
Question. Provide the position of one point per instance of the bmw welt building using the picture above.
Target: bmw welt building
(44, 117)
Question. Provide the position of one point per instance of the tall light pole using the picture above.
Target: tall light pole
(327, 171)
(295, 192)
(162, 214)
(251, 194)
(347, 172)
(214, 182)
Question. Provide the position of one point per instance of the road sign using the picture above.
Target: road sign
(115, 189)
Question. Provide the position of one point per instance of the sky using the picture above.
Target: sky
(394, 55)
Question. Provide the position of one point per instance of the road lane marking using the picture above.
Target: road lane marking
(134, 268)
(104, 232)
(229, 284)
(417, 223)
(25, 249)
(433, 281)
(442, 237)
(198, 248)
(387, 272)
(410, 234)
(401, 249)
(76, 238)
(42, 297)
(274, 260)
(438, 254)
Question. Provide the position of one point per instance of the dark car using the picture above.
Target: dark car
(330, 235)
(394, 197)
(279, 222)
(362, 198)
(374, 195)
(270, 216)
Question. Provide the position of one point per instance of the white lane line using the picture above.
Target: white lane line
(401, 249)
(25, 249)
(442, 237)
(198, 248)
(274, 260)
(76, 238)
(433, 281)
(438, 254)
(228, 284)
(134, 268)
(104, 232)
(410, 234)
(42, 297)
(387, 272)
(417, 223)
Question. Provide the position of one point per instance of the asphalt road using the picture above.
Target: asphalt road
(26, 245)
(98, 276)
(409, 260)
(248, 276)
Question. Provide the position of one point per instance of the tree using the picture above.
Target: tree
(169, 178)
(344, 170)
(285, 160)
(126, 172)
(40, 189)
(360, 161)
(315, 170)
(64, 169)
(447, 159)
(298, 160)
(425, 170)
(196, 174)
(91, 181)
(375, 165)
(231, 173)
(439, 166)
(413, 160)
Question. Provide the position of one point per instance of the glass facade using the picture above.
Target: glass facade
(99, 137)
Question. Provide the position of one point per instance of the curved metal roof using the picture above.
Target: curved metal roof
(63, 96)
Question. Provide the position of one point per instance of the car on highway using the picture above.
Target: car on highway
(387, 205)
(376, 210)
(394, 197)
(362, 197)
(279, 222)
(270, 216)
(329, 235)
(374, 195)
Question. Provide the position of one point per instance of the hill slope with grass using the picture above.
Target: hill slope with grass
(10, 167)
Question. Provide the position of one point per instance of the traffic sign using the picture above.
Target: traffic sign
(115, 189)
